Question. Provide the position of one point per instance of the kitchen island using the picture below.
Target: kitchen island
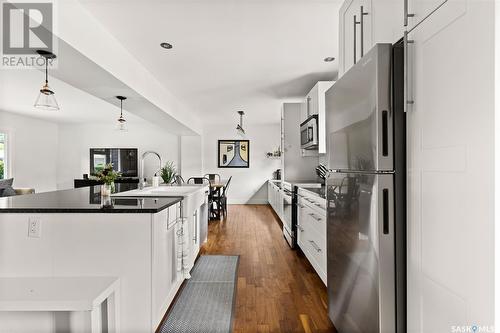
(142, 241)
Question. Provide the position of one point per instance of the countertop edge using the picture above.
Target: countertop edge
(100, 210)
(312, 192)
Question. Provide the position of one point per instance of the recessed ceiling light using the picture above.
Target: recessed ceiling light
(165, 45)
(329, 59)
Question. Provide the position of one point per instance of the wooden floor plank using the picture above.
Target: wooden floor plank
(278, 290)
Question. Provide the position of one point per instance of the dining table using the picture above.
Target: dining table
(218, 184)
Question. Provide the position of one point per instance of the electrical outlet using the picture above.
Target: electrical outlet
(34, 227)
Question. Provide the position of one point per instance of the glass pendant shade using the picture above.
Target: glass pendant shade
(122, 122)
(46, 99)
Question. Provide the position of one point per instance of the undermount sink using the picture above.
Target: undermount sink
(173, 189)
(166, 191)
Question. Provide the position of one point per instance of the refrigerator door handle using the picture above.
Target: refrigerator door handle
(386, 225)
(385, 133)
(385, 211)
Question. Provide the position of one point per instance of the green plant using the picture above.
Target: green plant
(1, 170)
(168, 172)
(107, 175)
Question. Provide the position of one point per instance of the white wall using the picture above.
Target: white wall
(74, 19)
(190, 156)
(75, 140)
(295, 166)
(32, 145)
(248, 186)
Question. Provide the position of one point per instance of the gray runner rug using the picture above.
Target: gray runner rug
(206, 303)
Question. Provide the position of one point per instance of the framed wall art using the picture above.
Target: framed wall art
(233, 154)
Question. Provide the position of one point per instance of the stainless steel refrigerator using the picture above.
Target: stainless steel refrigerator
(366, 195)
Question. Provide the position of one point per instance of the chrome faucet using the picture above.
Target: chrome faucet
(142, 182)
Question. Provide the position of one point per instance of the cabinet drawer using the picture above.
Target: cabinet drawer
(315, 232)
(311, 199)
(314, 248)
(317, 203)
(310, 219)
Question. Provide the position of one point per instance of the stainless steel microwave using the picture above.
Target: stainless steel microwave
(309, 133)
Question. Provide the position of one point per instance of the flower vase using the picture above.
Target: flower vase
(106, 190)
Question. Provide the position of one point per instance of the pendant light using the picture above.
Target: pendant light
(122, 123)
(46, 99)
(239, 128)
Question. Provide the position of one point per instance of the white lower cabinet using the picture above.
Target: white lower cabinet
(166, 276)
(193, 206)
(274, 198)
(311, 231)
(311, 225)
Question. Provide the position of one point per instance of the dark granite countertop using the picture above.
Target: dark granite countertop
(82, 200)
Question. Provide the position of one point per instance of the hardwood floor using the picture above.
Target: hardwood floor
(278, 290)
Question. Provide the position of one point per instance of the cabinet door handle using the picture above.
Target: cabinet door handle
(316, 247)
(302, 206)
(363, 13)
(308, 107)
(356, 22)
(195, 238)
(315, 217)
(300, 228)
(407, 101)
(317, 204)
(406, 15)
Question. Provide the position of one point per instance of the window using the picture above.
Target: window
(3, 155)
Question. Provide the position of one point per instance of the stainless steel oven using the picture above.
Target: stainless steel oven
(309, 133)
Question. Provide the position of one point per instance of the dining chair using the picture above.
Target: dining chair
(221, 199)
(198, 180)
(213, 176)
(178, 180)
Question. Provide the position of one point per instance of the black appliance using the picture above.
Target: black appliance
(124, 160)
(309, 138)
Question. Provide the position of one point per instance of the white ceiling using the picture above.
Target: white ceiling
(229, 55)
(85, 93)
(19, 90)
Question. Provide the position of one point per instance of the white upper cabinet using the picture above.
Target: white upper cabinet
(446, 10)
(363, 23)
(349, 39)
(314, 103)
